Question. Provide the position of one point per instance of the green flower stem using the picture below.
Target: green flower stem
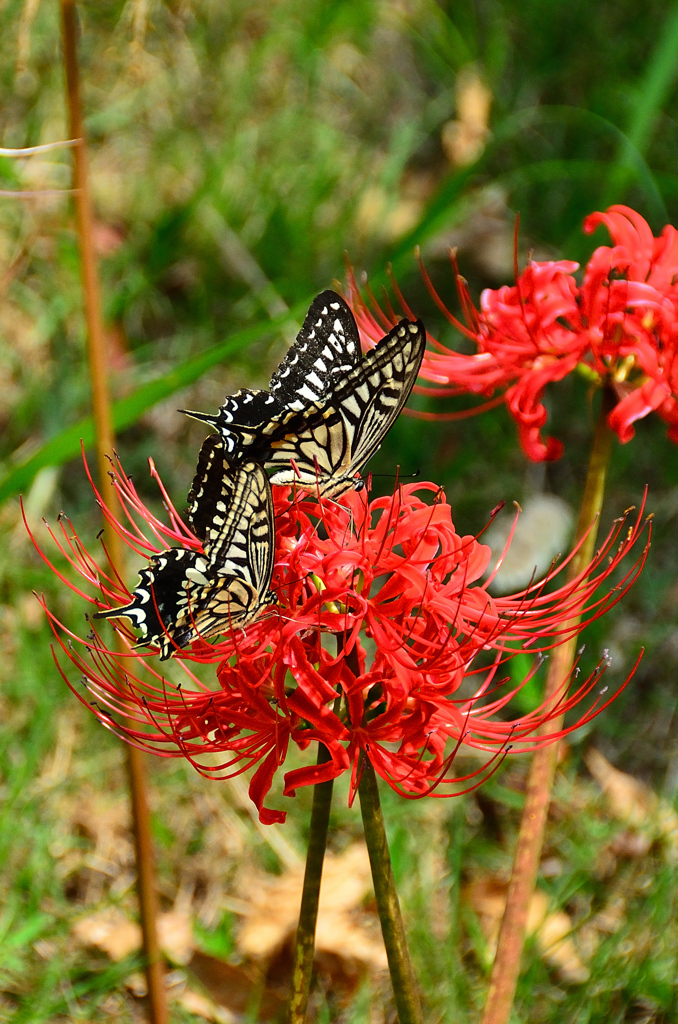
(506, 967)
(399, 963)
(304, 945)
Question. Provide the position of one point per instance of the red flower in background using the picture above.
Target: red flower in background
(619, 327)
(415, 667)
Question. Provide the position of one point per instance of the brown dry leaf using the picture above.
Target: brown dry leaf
(107, 866)
(629, 799)
(114, 934)
(632, 801)
(487, 896)
(553, 937)
(110, 931)
(175, 935)
(464, 138)
(201, 1006)
(232, 986)
(275, 911)
(382, 215)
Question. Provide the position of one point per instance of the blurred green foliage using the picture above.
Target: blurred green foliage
(237, 151)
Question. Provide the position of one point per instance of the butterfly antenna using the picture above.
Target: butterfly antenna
(398, 476)
(204, 417)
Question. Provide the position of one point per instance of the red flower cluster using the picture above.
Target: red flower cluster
(413, 670)
(618, 328)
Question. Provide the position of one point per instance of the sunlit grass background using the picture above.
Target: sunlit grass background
(237, 151)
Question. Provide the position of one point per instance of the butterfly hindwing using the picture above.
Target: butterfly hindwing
(160, 600)
(185, 594)
(222, 604)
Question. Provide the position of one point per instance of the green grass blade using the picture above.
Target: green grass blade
(652, 92)
(654, 89)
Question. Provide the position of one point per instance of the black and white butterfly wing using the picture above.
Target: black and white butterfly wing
(326, 348)
(239, 547)
(171, 581)
(389, 372)
(342, 433)
(241, 419)
(240, 541)
(222, 604)
(212, 489)
(184, 594)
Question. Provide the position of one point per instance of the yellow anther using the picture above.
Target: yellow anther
(624, 368)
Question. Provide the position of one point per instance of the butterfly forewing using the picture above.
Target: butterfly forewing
(383, 390)
(329, 409)
(327, 346)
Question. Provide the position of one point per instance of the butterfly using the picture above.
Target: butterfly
(329, 407)
(185, 594)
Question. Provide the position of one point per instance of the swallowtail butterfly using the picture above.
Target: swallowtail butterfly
(185, 594)
(328, 409)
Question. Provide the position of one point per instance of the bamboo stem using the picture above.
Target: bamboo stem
(506, 967)
(399, 964)
(304, 946)
(101, 407)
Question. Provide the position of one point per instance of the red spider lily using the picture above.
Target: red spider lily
(618, 327)
(420, 646)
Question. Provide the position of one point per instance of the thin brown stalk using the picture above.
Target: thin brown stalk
(101, 407)
(506, 967)
(403, 980)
